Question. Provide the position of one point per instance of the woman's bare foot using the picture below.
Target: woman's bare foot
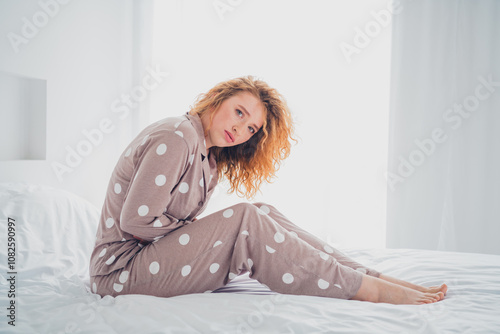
(378, 290)
(433, 289)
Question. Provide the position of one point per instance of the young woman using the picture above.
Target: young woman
(150, 242)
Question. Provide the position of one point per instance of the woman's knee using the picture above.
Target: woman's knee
(249, 213)
(264, 207)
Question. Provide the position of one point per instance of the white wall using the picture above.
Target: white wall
(83, 51)
(333, 184)
(23, 102)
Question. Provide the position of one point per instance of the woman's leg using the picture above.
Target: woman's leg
(325, 249)
(433, 289)
(381, 291)
(343, 259)
(206, 254)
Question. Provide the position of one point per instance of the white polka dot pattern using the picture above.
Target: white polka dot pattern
(279, 237)
(186, 270)
(161, 149)
(270, 250)
(265, 226)
(123, 276)
(110, 222)
(184, 239)
(110, 260)
(228, 213)
(265, 209)
(287, 278)
(103, 252)
(143, 210)
(322, 284)
(160, 180)
(184, 187)
(214, 267)
(154, 267)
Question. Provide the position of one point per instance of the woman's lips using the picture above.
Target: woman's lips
(229, 138)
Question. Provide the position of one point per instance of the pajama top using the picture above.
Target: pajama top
(161, 182)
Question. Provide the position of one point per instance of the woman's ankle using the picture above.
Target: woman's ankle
(369, 290)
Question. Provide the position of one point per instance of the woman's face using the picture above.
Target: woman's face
(237, 120)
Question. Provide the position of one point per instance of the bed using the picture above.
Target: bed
(55, 232)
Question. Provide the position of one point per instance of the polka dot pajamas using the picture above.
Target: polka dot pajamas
(178, 255)
(206, 254)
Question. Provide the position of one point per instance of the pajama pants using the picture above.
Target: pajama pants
(206, 254)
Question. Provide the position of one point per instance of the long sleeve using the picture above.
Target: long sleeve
(161, 182)
(159, 164)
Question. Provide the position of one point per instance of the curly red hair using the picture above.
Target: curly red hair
(247, 165)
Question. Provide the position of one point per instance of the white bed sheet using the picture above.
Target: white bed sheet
(56, 231)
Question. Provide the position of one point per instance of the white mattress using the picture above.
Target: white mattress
(55, 232)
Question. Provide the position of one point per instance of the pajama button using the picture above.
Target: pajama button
(200, 203)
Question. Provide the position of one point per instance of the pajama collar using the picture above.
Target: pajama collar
(196, 121)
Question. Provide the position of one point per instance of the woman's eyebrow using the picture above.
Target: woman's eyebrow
(248, 114)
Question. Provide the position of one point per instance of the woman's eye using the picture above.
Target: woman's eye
(239, 112)
(252, 130)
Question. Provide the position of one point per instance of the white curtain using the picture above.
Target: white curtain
(444, 142)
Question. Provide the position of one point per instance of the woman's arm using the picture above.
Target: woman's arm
(159, 164)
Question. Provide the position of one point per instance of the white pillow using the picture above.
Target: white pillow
(54, 231)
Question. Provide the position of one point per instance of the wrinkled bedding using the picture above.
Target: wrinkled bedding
(55, 232)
